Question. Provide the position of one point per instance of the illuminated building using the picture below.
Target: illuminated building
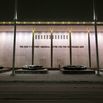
(51, 44)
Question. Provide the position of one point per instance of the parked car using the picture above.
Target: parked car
(74, 67)
(32, 67)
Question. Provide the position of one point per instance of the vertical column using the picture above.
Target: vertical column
(70, 45)
(14, 49)
(97, 52)
(96, 36)
(33, 32)
(51, 37)
(89, 49)
(14, 42)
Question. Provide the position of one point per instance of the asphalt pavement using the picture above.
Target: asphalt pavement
(50, 93)
(53, 87)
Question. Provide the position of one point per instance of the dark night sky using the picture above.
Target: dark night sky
(51, 10)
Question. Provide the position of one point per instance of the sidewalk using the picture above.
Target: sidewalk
(52, 76)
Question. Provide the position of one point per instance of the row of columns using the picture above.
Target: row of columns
(70, 49)
(51, 50)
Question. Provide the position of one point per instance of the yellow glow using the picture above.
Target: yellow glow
(51, 30)
(70, 29)
(33, 31)
(24, 22)
(49, 22)
(18, 22)
(68, 22)
(63, 22)
(78, 22)
(39, 22)
(84, 22)
(53, 22)
(88, 30)
(4, 22)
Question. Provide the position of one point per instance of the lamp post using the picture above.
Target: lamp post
(14, 40)
(96, 37)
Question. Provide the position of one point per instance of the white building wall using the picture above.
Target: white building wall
(23, 49)
(6, 48)
(100, 42)
(42, 47)
(80, 48)
(93, 50)
(61, 52)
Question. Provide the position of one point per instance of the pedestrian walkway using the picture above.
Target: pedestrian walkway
(51, 76)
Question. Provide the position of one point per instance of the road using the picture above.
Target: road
(50, 93)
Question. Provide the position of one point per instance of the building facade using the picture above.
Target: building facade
(51, 44)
